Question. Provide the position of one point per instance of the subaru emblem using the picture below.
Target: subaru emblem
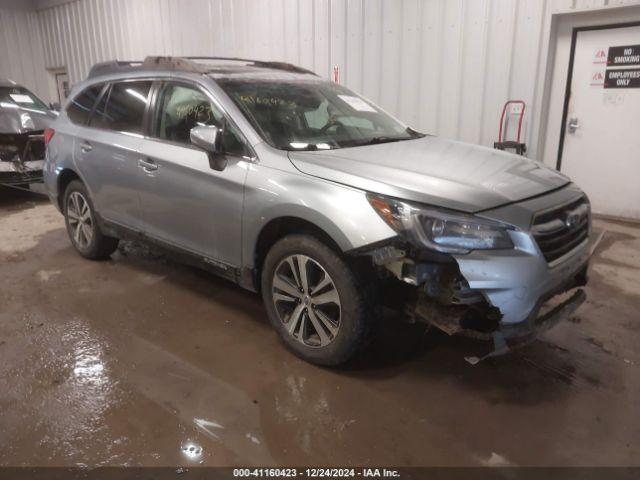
(572, 220)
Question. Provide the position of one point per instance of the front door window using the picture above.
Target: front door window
(183, 107)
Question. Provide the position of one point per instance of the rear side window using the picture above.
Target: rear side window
(122, 107)
(80, 107)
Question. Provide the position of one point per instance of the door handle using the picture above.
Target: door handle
(86, 147)
(147, 165)
(573, 124)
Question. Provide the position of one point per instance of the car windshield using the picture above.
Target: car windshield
(20, 96)
(313, 115)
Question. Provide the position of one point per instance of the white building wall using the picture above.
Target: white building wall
(443, 66)
(21, 58)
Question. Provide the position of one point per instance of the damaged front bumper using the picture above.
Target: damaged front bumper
(505, 297)
(531, 294)
(21, 158)
(482, 321)
(520, 334)
(21, 173)
(550, 309)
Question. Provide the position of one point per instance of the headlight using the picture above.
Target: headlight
(449, 232)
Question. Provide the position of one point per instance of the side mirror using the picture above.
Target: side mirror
(208, 138)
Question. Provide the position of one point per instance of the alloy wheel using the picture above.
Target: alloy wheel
(80, 219)
(306, 300)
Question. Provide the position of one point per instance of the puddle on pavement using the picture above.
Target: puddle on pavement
(142, 361)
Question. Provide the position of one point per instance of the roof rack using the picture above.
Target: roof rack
(112, 66)
(183, 64)
(149, 63)
(260, 63)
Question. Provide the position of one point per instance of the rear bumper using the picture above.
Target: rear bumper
(17, 173)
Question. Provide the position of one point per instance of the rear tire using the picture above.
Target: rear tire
(82, 226)
(313, 300)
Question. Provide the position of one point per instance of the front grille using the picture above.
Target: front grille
(560, 230)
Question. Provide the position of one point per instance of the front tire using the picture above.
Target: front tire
(313, 301)
(82, 226)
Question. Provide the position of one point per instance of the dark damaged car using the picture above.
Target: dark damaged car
(23, 119)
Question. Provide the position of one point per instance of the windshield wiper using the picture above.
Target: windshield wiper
(377, 140)
(384, 139)
(414, 133)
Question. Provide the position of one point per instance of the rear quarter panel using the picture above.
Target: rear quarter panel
(58, 157)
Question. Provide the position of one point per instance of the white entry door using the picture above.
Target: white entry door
(62, 82)
(602, 138)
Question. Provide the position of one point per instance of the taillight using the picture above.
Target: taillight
(48, 135)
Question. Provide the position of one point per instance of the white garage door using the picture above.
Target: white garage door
(601, 150)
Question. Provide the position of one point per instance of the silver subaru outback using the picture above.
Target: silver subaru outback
(308, 193)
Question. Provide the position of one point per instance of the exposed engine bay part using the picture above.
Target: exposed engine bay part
(405, 264)
(446, 301)
(386, 255)
(442, 297)
(26, 146)
(476, 321)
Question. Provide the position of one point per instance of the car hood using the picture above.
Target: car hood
(434, 171)
(14, 119)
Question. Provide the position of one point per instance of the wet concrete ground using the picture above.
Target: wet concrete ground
(143, 361)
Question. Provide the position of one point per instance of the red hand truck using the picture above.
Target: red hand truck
(502, 144)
